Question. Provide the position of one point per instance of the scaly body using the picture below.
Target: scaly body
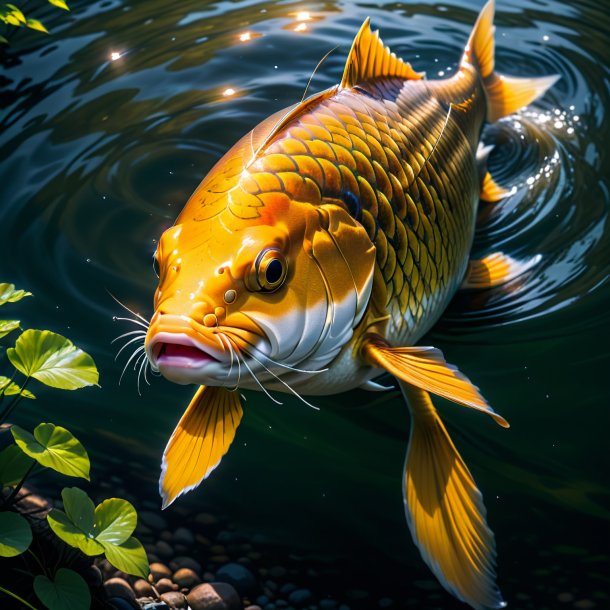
(319, 250)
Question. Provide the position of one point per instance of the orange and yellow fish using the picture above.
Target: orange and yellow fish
(319, 250)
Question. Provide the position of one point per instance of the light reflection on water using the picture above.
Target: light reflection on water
(99, 153)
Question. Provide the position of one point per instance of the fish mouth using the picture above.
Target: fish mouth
(180, 352)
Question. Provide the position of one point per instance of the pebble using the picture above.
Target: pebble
(238, 576)
(253, 608)
(278, 572)
(287, 589)
(174, 599)
(565, 597)
(328, 604)
(143, 588)
(215, 596)
(584, 604)
(164, 585)
(185, 562)
(155, 605)
(182, 535)
(206, 519)
(117, 587)
(153, 520)
(217, 549)
(300, 597)
(185, 577)
(220, 559)
(166, 535)
(385, 602)
(122, 603)
(93, 577)
(163, 549)
(159, 570)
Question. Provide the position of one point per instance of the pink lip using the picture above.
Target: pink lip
(177, 355)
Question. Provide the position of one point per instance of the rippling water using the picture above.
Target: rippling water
(98, 156)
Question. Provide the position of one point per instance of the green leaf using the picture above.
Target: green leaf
(13, 465)
(60, 4)
(9, 388)
(16, 12)
(72, 535)
(68, 592)
(12, 20)
(3, 40)
(34, 24)
(54, 447)
(79, 509)
(115, 520)
(8, 294)
(15, 534)
(52, 359)
(6, 326)
(129, 557)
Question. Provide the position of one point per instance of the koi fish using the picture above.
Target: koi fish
(319, 250)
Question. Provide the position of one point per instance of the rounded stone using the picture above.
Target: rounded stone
(163, 549)
(117, 587)
(300, 597)
(214, 596)
(328, 604)
(255, 607)
(278, 572)
(93, 576)
(153, 520)
(122, 603)
(182, 535)
(174, 599)
(239, 576)
(185, 562)
(159, 570)
(143, 588)
(165, 585)
(185, 577)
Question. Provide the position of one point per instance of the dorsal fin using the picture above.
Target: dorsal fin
(370, 58)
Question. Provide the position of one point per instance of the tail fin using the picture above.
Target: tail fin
(445, 509)
(505, 94)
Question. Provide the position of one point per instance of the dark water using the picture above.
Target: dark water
(97, 158)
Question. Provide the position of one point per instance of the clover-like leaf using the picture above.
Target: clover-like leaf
(54, 447)
(79, 509)
(60, 4)
(53, 360)
(73, 535)
(6, 326)
(68, 591)
(115, 520)
(129, 557)
(13, 465)
(9, 388)
(8, 294)
(34, 24)
(15, 534)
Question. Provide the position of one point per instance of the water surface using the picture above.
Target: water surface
(98, 155)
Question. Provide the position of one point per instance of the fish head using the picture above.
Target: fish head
(245, 298)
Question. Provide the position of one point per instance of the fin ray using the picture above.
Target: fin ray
(445, 509)
(496, 269)
(201, 438)
(491, 191)
(370, 58)
(426, 368)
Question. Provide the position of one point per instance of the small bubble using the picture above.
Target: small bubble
(88, 260)
(576, 118)
(570, 130)
(545, 37)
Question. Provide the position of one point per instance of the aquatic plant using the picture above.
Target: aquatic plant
(105, 529)
(14, 17)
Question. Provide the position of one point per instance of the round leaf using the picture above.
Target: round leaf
(79, 509)
(68, 592)
(6, 326)
(8, 294)
(53, 360)
(15, 534)
(34, 24)
(9, 388)
(129, 557)
(13, 465)
(115, 520)
(59, 4)
(72, 535)
(54, 447)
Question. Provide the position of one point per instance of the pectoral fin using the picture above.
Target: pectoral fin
(445, 510)
(496, 269)
(491, 191)
(201, 438)
(426, 368)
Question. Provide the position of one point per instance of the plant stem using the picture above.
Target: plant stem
(5, 388)
(37, 560)
(15, 491)
(18, 398)
(19, 599)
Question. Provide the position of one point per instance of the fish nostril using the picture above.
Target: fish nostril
(210, 320)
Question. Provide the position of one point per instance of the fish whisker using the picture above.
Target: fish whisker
(131, 311)
(137, 351)
(134, 340)
(138, 322)
(142, 333)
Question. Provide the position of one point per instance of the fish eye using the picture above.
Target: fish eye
(270, 270)
(156, 267)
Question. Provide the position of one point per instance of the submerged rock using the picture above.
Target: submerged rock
(117, 587)
(185, 577)
(164, 585)
(214, 596)
(159, 570)
(153, 520)
(300, 598)
(143, 588)
(238, 576)
(185, 562)
(174, 599)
